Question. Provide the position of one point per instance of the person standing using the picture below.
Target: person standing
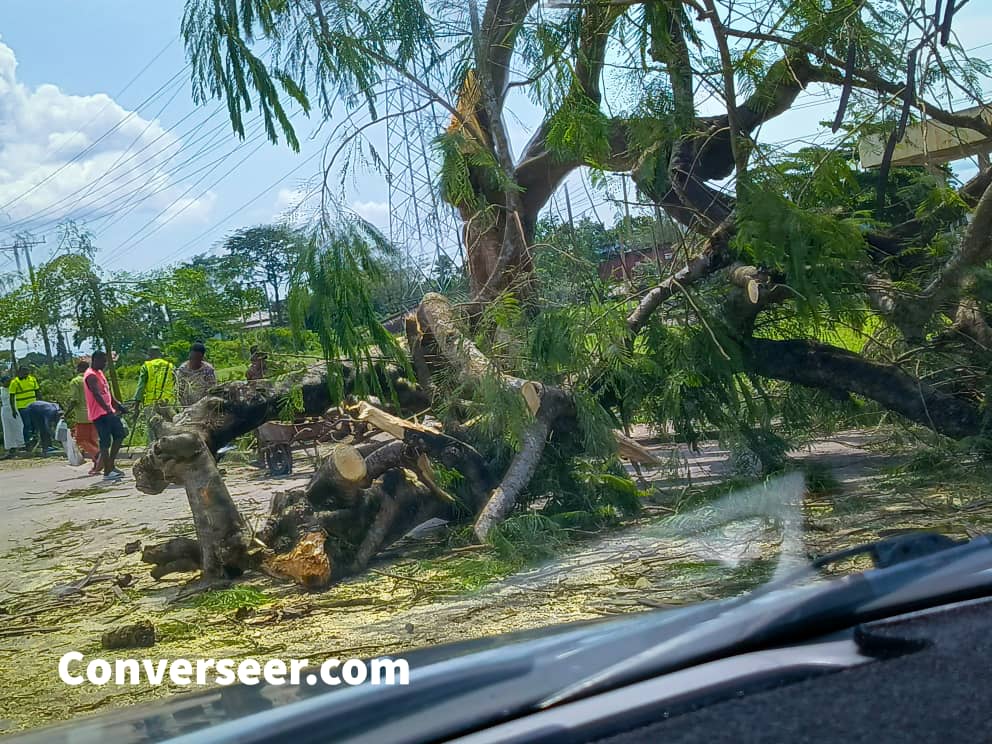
(195, 376)
(23, 392)
(104, 411)
(257, 370)
(156, 380)
(13, 431)
(78, 421)
(156, 388)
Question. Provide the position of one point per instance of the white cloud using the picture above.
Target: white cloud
(290, 205)
(376, 212)
(188, 210)
(45, 133)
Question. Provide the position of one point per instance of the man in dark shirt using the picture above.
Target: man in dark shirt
(43, 417)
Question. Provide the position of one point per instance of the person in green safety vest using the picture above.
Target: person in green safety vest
(156, 391)
(23, 392)
(156, 380)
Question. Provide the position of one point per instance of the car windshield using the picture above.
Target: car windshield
(332, 331)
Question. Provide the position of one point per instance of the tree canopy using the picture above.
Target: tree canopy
(266, 253)
(785, 253)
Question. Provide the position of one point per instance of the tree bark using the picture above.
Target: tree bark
(184, 458)
(341, 474)
(518, 475)
(384, 458)
(237, 408)
(712, 257)
(843, 372)
(178, 555)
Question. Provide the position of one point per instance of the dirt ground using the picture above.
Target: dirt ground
(703, 535)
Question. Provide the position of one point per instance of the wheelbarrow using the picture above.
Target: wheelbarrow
(277, 439)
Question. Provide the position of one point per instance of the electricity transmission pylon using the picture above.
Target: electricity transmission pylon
(420, 222)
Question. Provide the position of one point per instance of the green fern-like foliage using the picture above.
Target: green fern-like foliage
(467, 166)
(580, 130)
(818, 254)
(260, 54)
(331, 295)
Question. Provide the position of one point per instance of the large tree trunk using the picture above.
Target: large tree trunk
(183, 457)
(237, 408)
(355, 505)
(444, 346)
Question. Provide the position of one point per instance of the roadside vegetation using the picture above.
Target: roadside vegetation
(545, 402)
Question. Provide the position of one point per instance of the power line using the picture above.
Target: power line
(90, 188)
(139, 194)
(124, 249)
(96, 142)
(236, 211)
(106, 105)
(255, 135)
(139, 197)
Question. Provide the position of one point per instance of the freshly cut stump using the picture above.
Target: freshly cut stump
(339, 478)
(307, 563)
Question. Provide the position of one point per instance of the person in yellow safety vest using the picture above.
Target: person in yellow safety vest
(23, 392)
(156, 380)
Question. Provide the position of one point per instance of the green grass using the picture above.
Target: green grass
(223, 600)
(959, 474)
(469, 573)
(527, 537)
(82, 493)
(177, 630)
(68, 528)
(750, 575)
(820, 479)
(697, 496)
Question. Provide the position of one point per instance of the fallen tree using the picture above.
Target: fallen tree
(361, 498)
(772, 272)
(354, 505)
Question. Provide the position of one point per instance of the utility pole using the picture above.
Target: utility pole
(568, 209)
(23, 244)
(16, 250)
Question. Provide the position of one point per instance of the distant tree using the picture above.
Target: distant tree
(268, 253)
(74, 238)
(447, 275)
(199, 299)
(15, 317)
(645, 233)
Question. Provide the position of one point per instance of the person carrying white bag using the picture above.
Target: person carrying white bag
(72, 452)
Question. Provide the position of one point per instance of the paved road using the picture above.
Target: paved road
(53, 530)
(56, 518)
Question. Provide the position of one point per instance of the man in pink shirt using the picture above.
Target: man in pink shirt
(103, 410)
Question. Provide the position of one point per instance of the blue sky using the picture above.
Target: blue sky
(73, 60)
(171, 180)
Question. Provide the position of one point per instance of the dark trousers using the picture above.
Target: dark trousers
(41, 424)
(27, 425)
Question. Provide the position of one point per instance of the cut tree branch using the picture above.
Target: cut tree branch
(843, 372)
(713, 257)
